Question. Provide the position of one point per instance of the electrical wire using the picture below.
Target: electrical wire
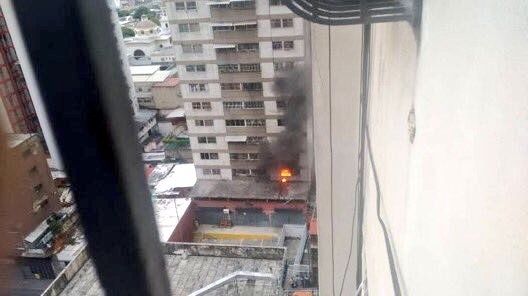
(331, 154)
(394, 274)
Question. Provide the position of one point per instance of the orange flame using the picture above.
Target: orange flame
(285, 173)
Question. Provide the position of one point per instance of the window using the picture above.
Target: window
(201, 122)
(281, 104)
(249, 67)
(281, 122)
(192, 48)
(288, 45)
(275, 2)
(276, 45)
(248, 47)
(191, 5)
(275, 23)
(242, 4)
(230, 86)
(180, 5)
(246, 172)
(191, 27)
(281, 23)
(255, 140)
(255, 122)
(252, 86)
(37, 188)
(233, 105)
(228, 68)
(235, 122)
(244, 156)
(209, 155)
(211, 171)
(195, 68)
(287, 23)
(197, 87)
(207, 140)
(203, 105)
(254, 105)
(283, 66)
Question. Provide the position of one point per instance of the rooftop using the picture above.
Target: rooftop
(168, 213)
(239, 189)
(200, 266)
(14, 140)
(169, 82)
(181, 176)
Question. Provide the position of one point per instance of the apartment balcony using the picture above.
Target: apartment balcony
(238, 56)
(251, 94)
(227, 37)
(241, 147)
(244, 164)
(232, 113)
(240, 77)
(228, 14)
(245, 130)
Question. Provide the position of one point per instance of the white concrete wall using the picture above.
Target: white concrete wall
(220, 144)
(454, 199)
(212, 91)
(335, 148)
(202, 11)
(208, 53)
(263, 8)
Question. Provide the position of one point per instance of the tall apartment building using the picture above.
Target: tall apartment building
(17, 113)
(228, 54)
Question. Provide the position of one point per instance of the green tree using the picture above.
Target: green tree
(121, 13)
(142, 10)
(127, 32)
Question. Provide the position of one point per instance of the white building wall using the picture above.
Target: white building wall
(212, 91)
(217, 109)
(218, 127)
(211, 72)
(207, 54)
(265, 30)
(266, 50)
(205, 32)
(263, 8)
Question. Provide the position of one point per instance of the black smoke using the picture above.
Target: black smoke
(285, 150)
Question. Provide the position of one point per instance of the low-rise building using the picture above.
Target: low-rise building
(145, 78)
(149, 37)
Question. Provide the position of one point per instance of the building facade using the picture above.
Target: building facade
(228, 54)
(31, 196)
(17, 111)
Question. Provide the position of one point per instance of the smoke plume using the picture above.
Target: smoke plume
(286, 149)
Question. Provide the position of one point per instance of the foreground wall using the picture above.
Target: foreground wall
(454, 199)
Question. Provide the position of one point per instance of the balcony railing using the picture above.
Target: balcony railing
(237, 56)
(235, 36)
(242, 93)
(240, 76)
(227, 14)
(245, 130)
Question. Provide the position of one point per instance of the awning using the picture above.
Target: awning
(215, 46)
(221, 24)
(218, 2)
(245, 23)
(236, 138)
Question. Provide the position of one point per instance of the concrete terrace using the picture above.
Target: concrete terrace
(239, 189)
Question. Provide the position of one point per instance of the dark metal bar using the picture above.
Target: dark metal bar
(73, 50)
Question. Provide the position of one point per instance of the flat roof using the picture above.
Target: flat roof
(187, 275)
(239, 189)
(181, 176)
(168, 82)
(14, 140)
(176, 113)
(143, 70)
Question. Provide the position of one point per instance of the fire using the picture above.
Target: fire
(285, 174)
